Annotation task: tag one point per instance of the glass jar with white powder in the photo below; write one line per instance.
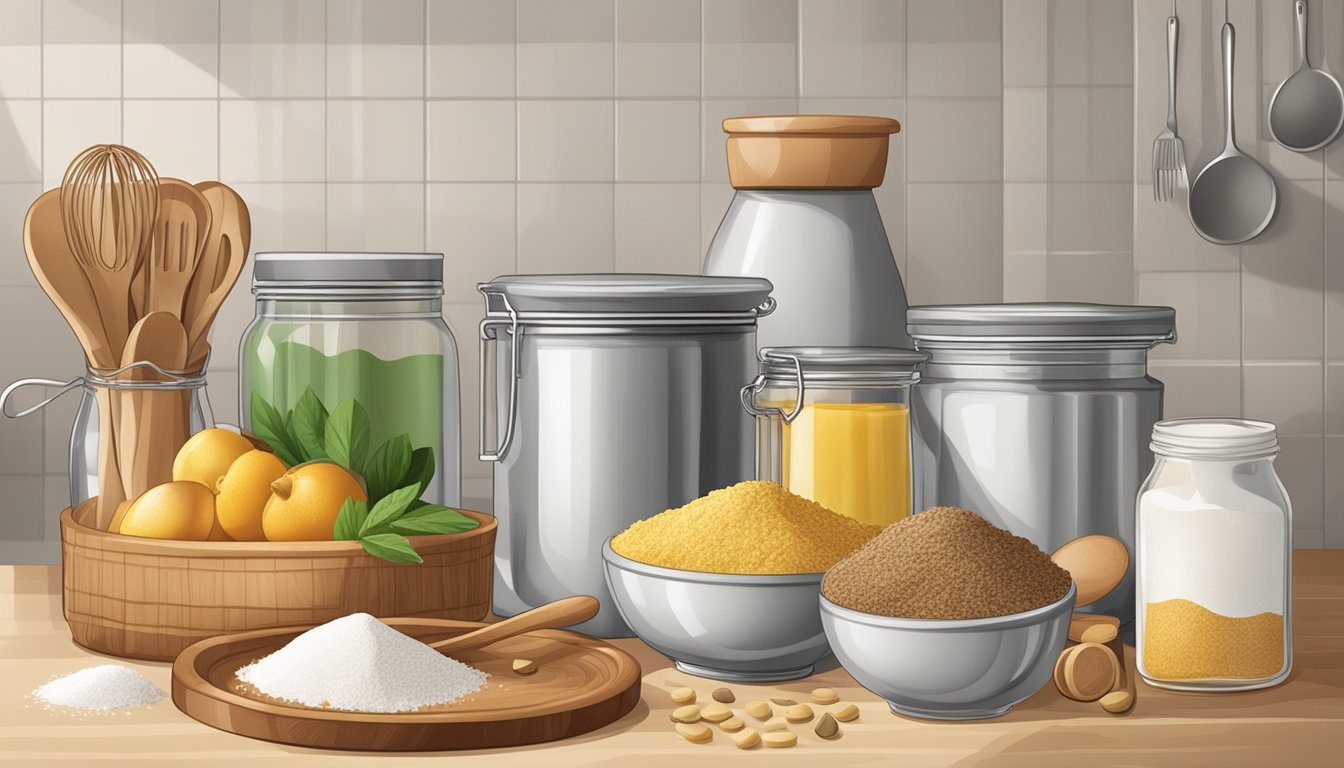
(1213, 559)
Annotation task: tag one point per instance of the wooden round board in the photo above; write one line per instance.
(580, 685)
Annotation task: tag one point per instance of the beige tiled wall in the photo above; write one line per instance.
(576, 135)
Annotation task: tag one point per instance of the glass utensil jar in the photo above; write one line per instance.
(366, 327)
(833, 425)
(1214, 559)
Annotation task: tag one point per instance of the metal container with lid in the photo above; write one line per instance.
(366, 327)
(607, 399)
(1037, 416)
(833, 425)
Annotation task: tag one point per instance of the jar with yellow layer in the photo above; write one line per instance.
(833, 425)
(1213, 560)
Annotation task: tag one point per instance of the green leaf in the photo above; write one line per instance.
(390, 546)
(309, 424)
(269, 425)
(350, 520)
(421, 470)
(389, 508)
(433, 519)
(347, 435)
(387, 468)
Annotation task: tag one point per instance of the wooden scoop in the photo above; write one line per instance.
(1096, 563)
(151, 427)
(561, 613)
(222, 260)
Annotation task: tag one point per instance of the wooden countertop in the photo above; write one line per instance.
(1299, 723)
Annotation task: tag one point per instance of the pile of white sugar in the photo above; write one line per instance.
(105, 687)
(359, 664)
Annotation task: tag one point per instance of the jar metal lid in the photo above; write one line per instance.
(1041, 322)
(869, 365)
(624, 294)
(1215, 439)
(297, 272)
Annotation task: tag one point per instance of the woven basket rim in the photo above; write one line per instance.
(115, 542)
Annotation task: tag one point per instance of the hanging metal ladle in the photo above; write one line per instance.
(1307, 109)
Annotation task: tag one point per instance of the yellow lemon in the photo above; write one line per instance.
(118, 516)
(305, 501)
(176, 510)
(206, 456)
(243, 492)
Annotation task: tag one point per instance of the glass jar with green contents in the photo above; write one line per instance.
(349, 359)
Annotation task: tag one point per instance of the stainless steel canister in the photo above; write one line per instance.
(605, 400)
(1037, 416)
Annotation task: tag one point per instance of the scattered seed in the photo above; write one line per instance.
(760, 710)
(695, 733)
(723, 696)
(746, 739)
(847, 713)
(798, 713)
(784, 702)
(687, 714)
(827, 727)
(824, 696)
(780, 739)
(524, 666)
(732, 725)
(775, 724)
(715, 713)
(1117, 702)
(683, 695)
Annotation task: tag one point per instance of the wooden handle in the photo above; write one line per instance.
(561, 613)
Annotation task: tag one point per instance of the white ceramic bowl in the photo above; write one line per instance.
(950, 670)
(722, 626)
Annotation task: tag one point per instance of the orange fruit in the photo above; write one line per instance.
(177, 510)
(242, 494)
(206, 455)
(305, 501)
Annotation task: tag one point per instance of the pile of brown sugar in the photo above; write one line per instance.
(945, 563)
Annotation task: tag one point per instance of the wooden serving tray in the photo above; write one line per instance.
(581, 684)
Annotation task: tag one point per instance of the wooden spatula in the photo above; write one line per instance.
(222, 261)
(152, 429)
(561, 613)
(180, 234)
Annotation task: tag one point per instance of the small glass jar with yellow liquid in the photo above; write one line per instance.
(833, 425)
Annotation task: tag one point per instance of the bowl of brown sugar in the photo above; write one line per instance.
(948, 617)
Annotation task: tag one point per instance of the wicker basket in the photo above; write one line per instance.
(150, 598)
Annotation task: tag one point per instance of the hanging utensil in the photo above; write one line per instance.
(222, 261)
(180, 234)
(1307, 109)
(1168, 149)
(1234, 198)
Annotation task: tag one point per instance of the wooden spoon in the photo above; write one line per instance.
(180, 234)
(1097, 564)
(561, 613)
(58, 273)
(152, 428)
(222, 261)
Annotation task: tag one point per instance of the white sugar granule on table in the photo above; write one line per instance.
(358, 663)
(105, 687)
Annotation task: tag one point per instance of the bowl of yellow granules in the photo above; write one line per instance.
(728, 585)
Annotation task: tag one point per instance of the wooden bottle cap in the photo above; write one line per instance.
(808, 151)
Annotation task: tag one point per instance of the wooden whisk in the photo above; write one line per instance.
(109, 203)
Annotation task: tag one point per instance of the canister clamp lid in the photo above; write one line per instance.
(1040, 323)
